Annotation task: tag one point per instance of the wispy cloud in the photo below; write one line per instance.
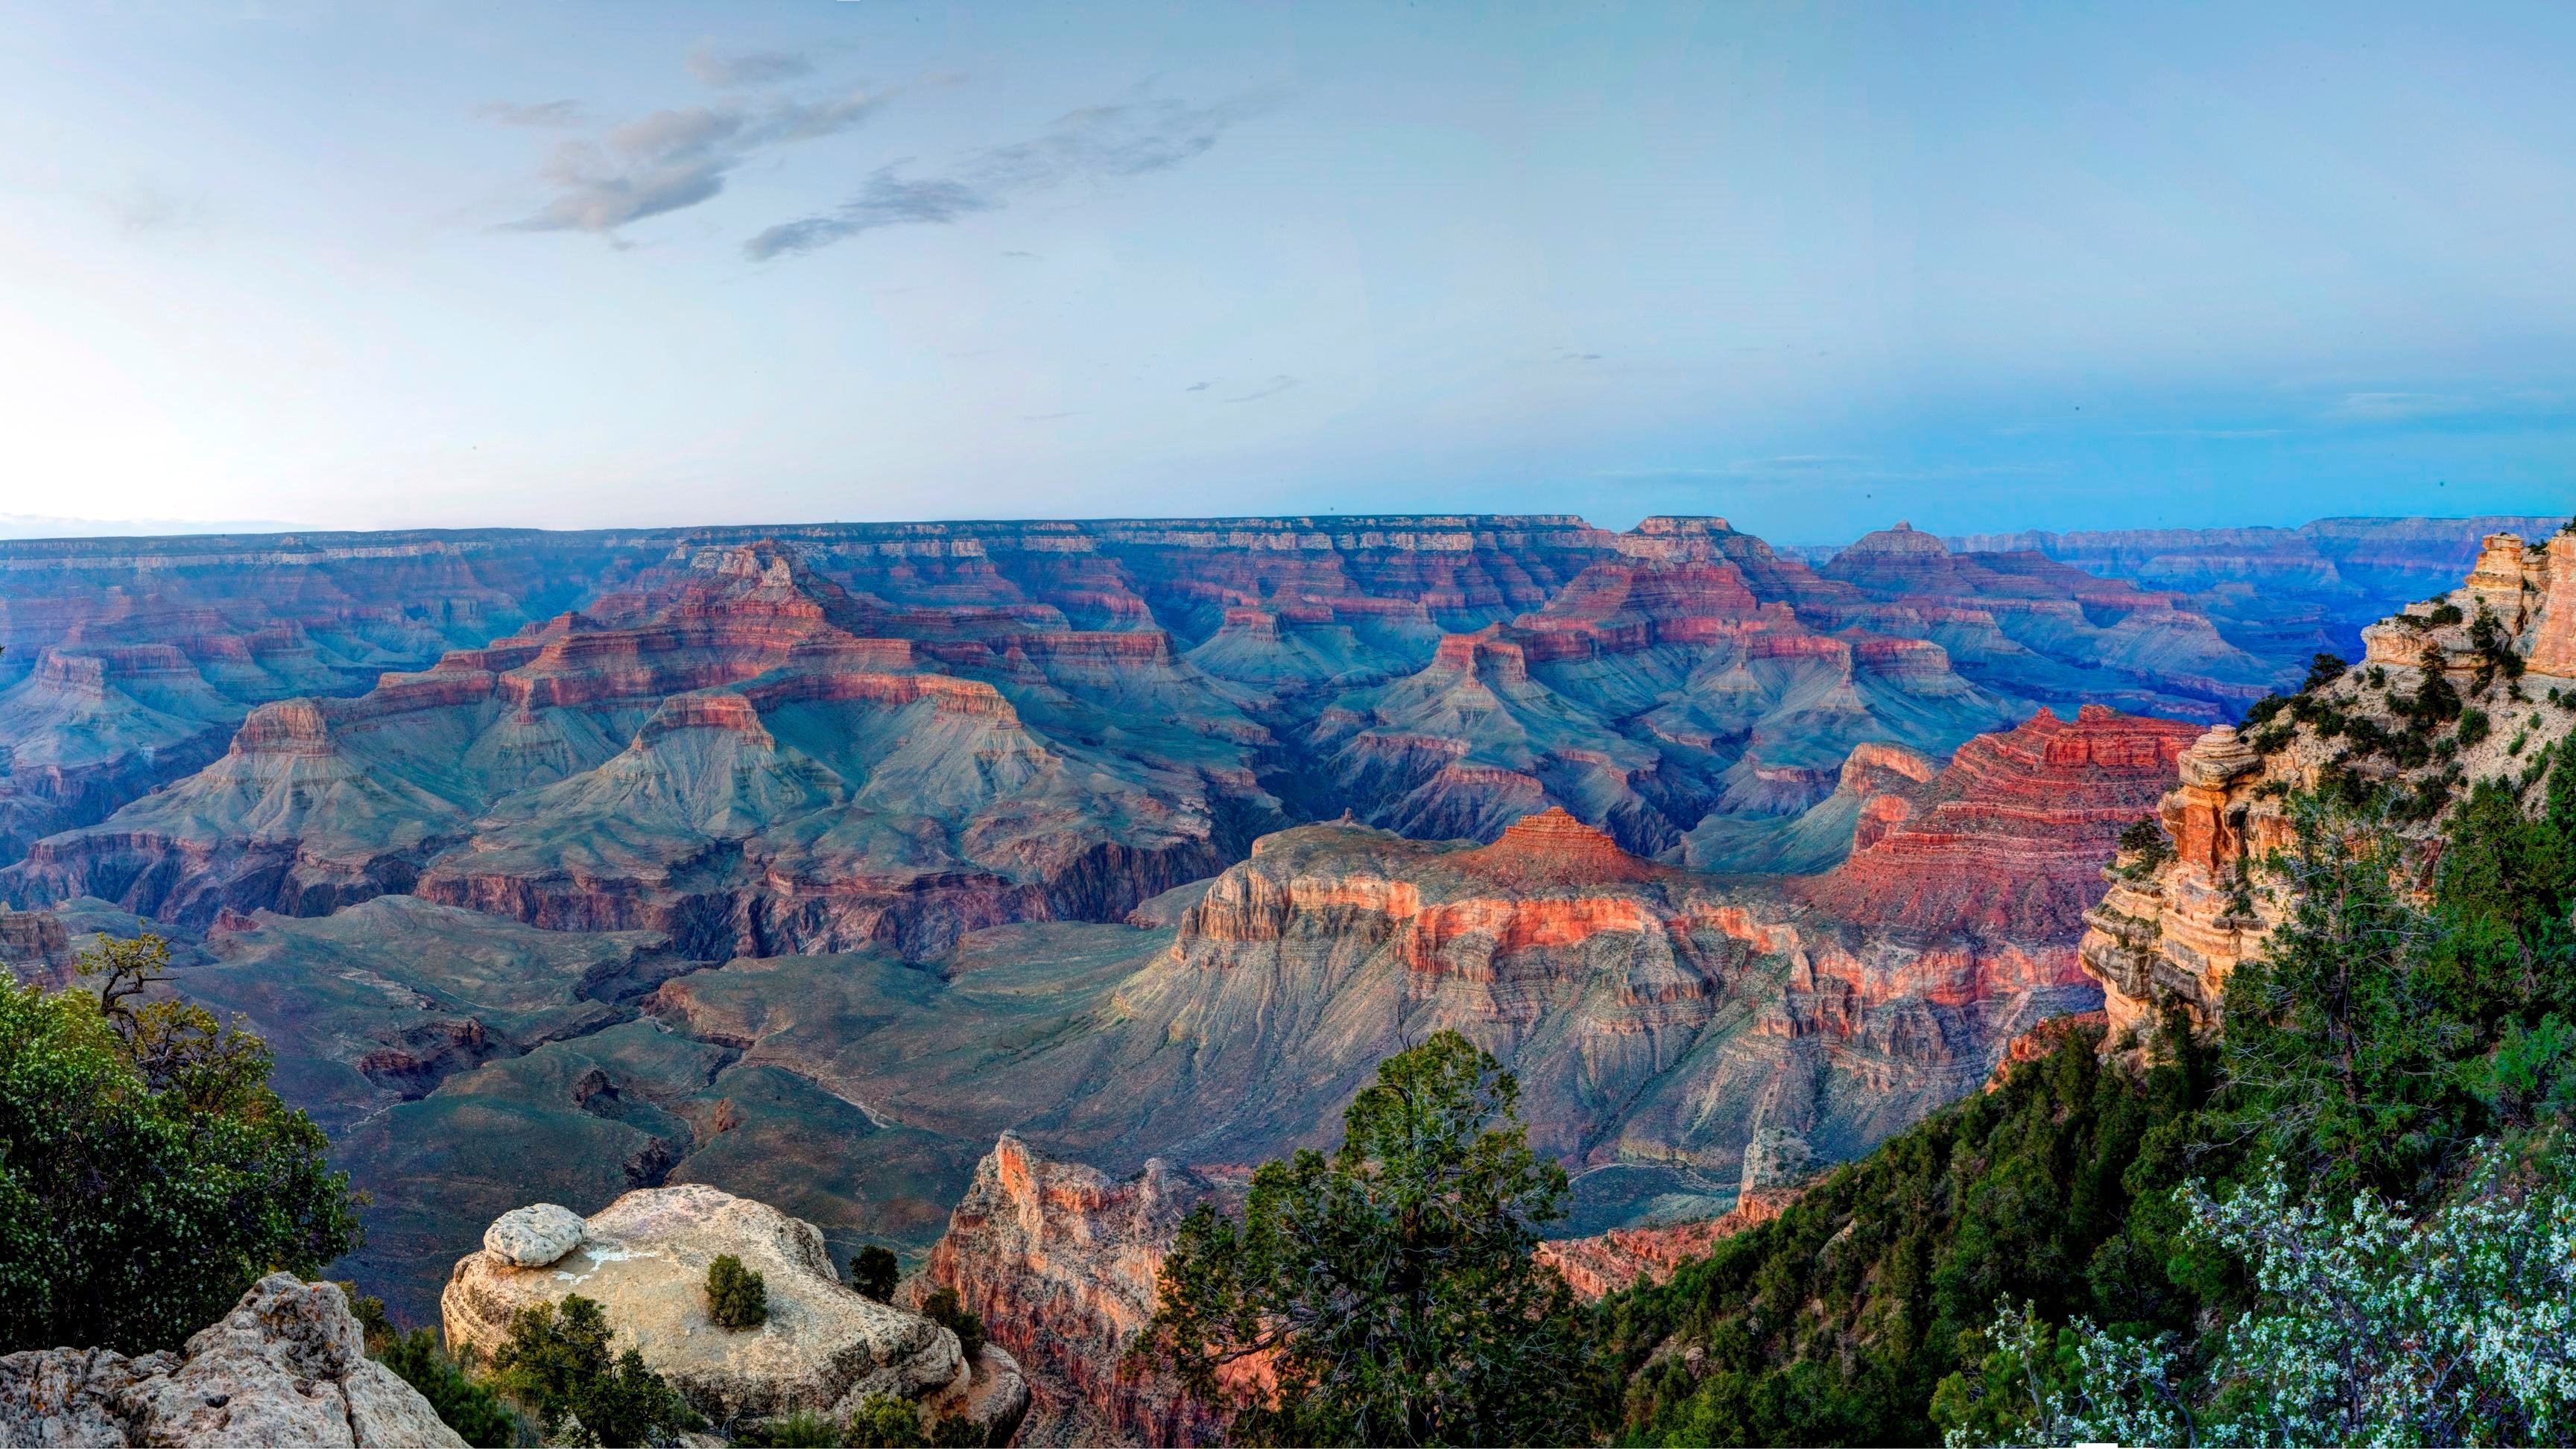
(2393, 407)
(677, 158)
(731, 70)
(143, 207)
(549, 115)
(1097, 144)
(1278, 384)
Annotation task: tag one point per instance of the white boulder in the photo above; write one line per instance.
(535, 1236)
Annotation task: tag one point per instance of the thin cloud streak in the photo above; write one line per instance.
(1096, 144)
(731, 71)
(547, 115)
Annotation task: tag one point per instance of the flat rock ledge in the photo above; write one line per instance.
(288, 1366)
(644, 1259)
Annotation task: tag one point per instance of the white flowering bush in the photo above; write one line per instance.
(2370, 1328)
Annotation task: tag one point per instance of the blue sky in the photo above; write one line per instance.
(1813, 267)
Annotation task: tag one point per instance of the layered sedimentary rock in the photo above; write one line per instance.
(1060, 1260)
(2010, 839)
(2173, 930)
(734, 753)
(823, 1348)
(1092, 711)
(288, 1365)
(34, 947)
(1662, 1022)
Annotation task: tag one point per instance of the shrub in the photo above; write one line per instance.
(470, 1408)
(943, 1309)
(737, 1298)
(885, 1422)
(2372, 1328)
(148, 1174)
(2474, 726)
(2144, 847)
(873, 1272)
(804, 1429)
(558, 1361)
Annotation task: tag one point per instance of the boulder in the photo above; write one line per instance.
(288, 1365)
(533, 1237)
(644, 1260)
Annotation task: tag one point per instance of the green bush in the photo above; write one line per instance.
(737, 1298)
(885, 1422)
(148, 1174)
(559, 1363)
(943, 1309)
(804, 1429)
(873, 1272)
(465, 1405)
(2145, 847)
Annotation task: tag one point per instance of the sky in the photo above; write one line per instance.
(574, 263)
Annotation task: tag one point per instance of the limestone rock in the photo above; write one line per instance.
(644, 1259)
(534, 1236)
(287, 1366)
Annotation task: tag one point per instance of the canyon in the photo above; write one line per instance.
(999, 891)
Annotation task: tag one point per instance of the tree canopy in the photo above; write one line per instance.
(148, 1175)
(1387, 1294)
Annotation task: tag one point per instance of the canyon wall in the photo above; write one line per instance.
(2172, 929)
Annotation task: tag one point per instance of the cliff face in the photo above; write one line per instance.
(1061, 1261)
(2011, 838)
(2176, 929)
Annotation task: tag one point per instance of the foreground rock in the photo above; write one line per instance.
(287, 1366)
(644, 1259)
(1060, 1260)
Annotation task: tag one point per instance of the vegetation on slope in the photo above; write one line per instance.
(2387, 1032)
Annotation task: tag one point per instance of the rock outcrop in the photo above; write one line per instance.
(2173, 930)
(1061, 1262)
(34, 946)
(644, 1259)
(287, 1365)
